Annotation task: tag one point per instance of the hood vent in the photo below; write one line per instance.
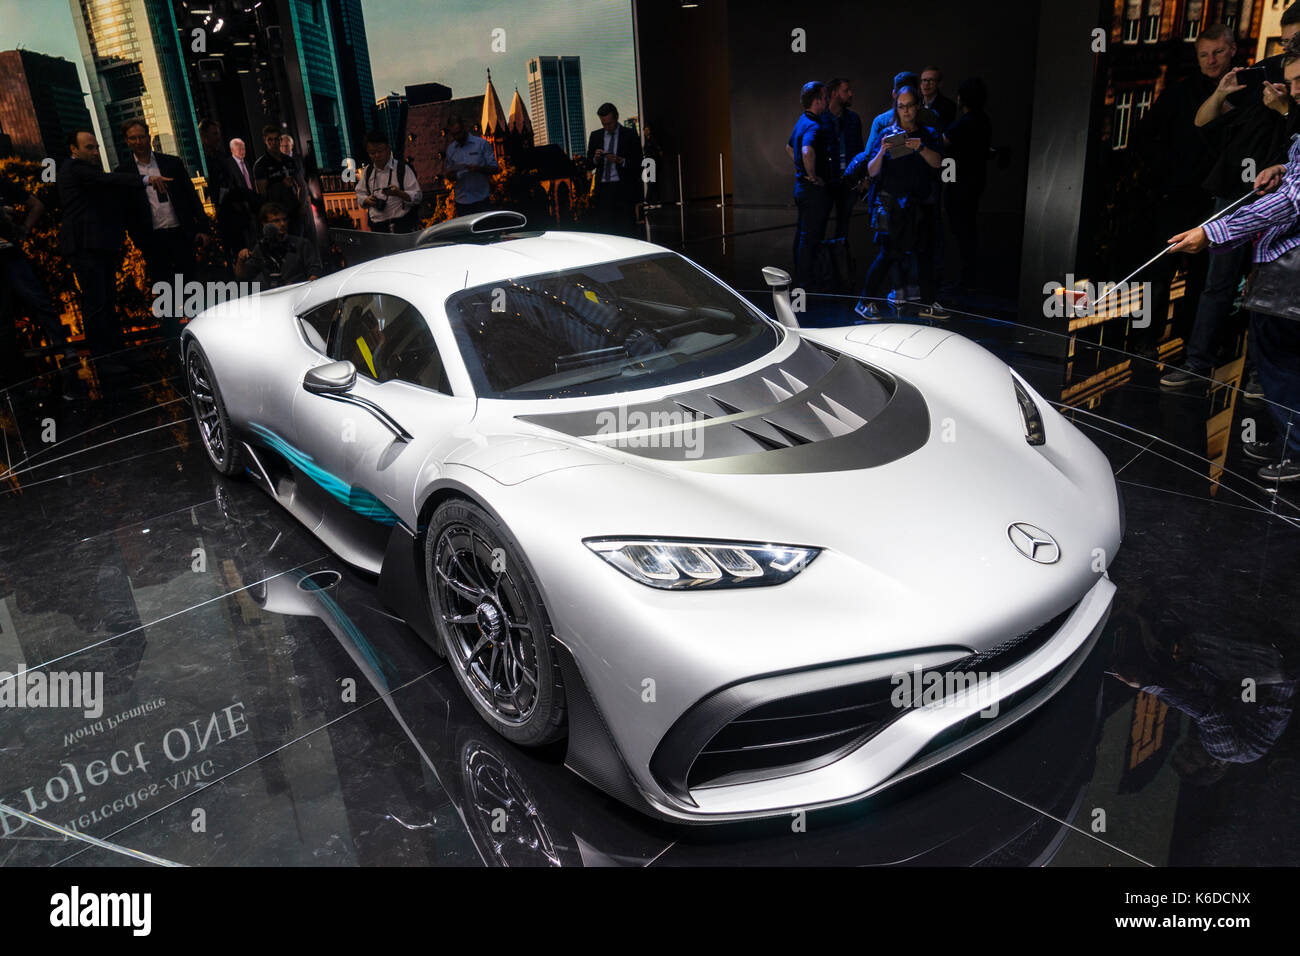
(814, 411)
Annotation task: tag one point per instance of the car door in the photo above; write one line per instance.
(367, 444)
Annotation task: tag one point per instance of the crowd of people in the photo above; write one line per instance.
(265, 226)
(924, 156)
(262, 231)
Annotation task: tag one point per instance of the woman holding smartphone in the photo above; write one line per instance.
(903, 170)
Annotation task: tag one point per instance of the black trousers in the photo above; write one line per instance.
(910, 243)
(963, 207)
(168, 253)
(1275, 345)
(235, 223)
(615, 212)
(814, 204)
(96, 272)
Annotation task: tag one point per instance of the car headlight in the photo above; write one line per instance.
(682, 565)
(1030, 417)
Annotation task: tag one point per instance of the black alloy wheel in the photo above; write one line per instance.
(210, 413)
(494, 628)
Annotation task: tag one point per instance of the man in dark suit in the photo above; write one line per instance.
(95, 206)
(237, 215)
(615, 154)
(934, 100)
(224, 190)
(164, 222)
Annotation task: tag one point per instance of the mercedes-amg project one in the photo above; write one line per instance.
(745, 568)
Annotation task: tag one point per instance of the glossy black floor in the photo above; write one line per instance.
(263, 708)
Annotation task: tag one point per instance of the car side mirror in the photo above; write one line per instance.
(331, 379)
(778, 280)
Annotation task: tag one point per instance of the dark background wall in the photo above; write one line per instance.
(869, 42)
(686, 89)
(722, 78)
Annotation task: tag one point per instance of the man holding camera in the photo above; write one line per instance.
(278, 178)
(280, 259)
(387, 190)
(1244, 121)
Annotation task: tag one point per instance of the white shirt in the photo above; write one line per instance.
(373, 181)
(163, 213)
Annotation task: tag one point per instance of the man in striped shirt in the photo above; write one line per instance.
(1272, 222)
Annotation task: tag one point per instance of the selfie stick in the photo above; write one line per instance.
(1123, 282)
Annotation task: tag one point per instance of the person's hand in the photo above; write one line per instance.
(159, 183)
(1194, 240)
(244, 255)
(1277, 98)
(1270, 179)
(913, 143)
(1228, 82)
(598, 155)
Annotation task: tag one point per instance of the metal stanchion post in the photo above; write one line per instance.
(681, 198)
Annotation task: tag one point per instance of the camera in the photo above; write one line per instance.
(272, 251)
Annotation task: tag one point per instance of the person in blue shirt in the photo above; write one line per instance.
(904, 180)
(810, 148)
(470, 164)
(924, 117)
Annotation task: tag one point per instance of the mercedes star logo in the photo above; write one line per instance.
(1034, 543)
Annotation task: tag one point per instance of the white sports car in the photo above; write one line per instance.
(746, 568)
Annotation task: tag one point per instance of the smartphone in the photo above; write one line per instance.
(1252, 77)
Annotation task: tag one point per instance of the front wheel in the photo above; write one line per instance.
(210, 413)
(493, 625)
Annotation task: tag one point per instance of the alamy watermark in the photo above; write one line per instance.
(653, 429)
(180, 298)
(1131, 299)
(37, 689)
(952, 688)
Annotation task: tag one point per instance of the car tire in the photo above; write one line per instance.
(210, 414)
(494, 629)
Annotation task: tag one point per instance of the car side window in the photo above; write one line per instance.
(320, 324)
(387, 338)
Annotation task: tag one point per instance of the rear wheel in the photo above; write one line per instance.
(210, 413)
(493, 625)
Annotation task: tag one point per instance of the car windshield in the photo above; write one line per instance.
(599, 329)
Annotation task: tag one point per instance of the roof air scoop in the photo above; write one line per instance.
(478, 227)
